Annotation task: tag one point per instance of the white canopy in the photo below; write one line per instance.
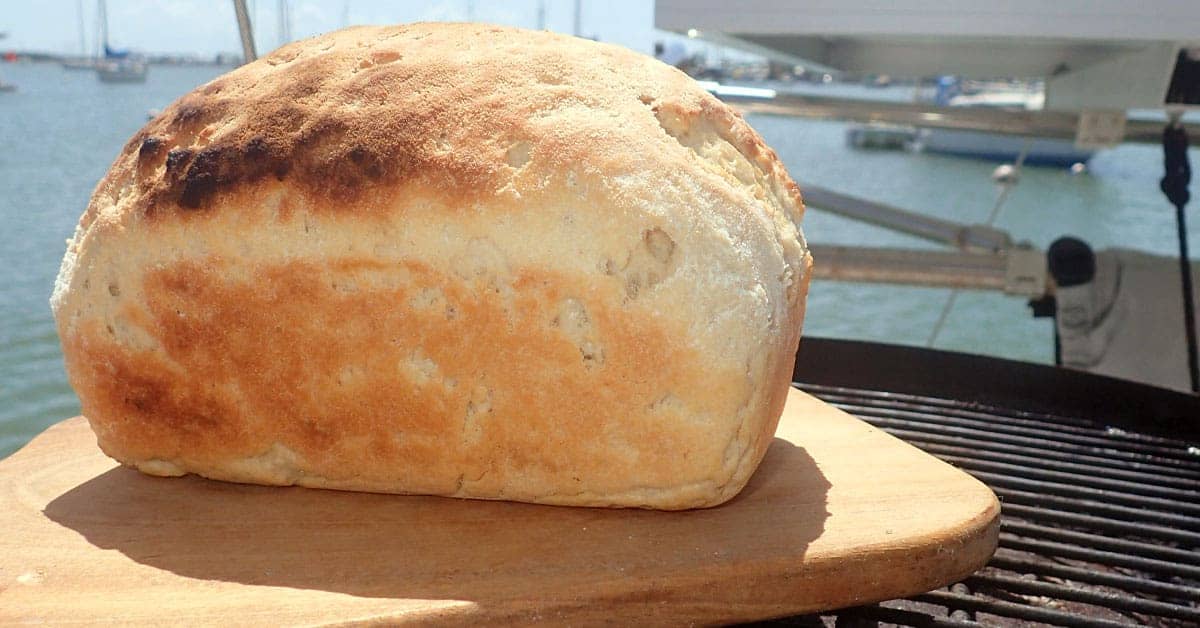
(1111, 54)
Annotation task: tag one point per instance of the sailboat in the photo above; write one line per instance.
(117, 66)
(84, 61)
(81, 63)
(6, 87)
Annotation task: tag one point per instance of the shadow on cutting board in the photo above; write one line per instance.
(437, 548)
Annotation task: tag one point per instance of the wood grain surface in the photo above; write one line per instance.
(838, 514)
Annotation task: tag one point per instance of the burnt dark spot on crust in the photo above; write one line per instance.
(327, 152)
(135, 142)
(194, 178)
(260, 159)
(187, 114)
(177, 160)
(149, 154)
(334, 138)
(257, 148)
(369, 162)
(324, 134)
(203, 178)
(151, 146)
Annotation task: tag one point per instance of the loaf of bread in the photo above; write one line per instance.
(444, 259)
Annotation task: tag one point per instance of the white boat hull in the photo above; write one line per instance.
(121, 72)
(995, 147)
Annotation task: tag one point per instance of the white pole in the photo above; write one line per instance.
(82, 30)
(245, 31)
(285, 26)
(103, 28)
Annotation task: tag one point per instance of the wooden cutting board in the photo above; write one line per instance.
(838, 514)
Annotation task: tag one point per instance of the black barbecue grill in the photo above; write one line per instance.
(1099, 481)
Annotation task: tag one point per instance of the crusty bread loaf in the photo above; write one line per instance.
(445, 259)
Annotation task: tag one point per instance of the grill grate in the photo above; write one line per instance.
(1100, 526)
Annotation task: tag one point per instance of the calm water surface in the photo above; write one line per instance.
(60, 132)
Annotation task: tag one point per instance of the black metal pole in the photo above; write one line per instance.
(1175, 185)
(1189, 307)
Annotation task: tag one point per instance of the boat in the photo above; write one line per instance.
(992, 147)
(84, 63)
(1032, 150)
(6, 87)
(881, 136)
(117, 66)
(119, 70)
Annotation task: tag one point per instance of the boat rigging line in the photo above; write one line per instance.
(1007, 183)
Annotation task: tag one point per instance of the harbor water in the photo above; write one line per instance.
(62, 129)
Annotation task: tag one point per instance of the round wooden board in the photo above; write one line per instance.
(839, 514)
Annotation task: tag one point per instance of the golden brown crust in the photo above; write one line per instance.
(446, 259)
(367, 108)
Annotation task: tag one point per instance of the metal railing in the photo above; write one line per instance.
(1040, 123)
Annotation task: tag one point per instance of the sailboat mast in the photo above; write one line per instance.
(104, 27)
(82, 30)
(285, 22)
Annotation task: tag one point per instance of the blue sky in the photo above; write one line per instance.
(208, 26)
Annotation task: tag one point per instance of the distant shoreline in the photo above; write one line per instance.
(219, 59)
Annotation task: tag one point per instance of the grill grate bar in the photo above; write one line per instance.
(904, 617)
(951, 405)
(1032, 443)
(994, 416)
(1018, 611)
(1084, 539)
(1038, 439)
(1144, 530)
(1036, 460)
(1182, 476)
(1065, 490)
(1065, 550)
(1096, 507)
(1004, 560)
(992, 419)
(1087, 596)
(1189, 499)
(1093, 433)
